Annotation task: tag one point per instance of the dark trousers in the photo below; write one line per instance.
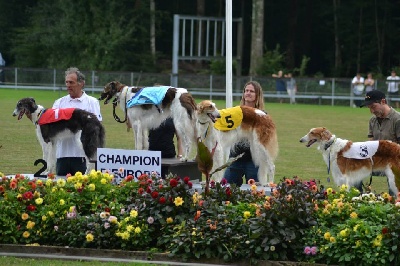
(70, 165)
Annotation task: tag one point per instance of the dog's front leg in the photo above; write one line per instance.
(138, 138)
(145, 139)
(52, 157)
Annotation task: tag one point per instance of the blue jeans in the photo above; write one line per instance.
(235, 172)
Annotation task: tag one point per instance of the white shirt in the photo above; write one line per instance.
(69, 147)
(356, 80)
(393, 86)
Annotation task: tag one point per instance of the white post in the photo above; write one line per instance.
(228, 74)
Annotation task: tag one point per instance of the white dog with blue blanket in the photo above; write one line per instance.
(148, 107)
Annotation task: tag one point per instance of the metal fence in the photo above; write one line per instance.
(326, 91)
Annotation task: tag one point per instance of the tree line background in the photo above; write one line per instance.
(310, 38)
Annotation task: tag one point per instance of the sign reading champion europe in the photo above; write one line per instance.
(128, 162)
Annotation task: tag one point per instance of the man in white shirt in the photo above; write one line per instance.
(70, 156)
(393, 86)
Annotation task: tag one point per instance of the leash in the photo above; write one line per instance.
(327, 146)
(207, 130)
(115, 103)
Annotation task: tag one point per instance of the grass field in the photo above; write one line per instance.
(20, 148)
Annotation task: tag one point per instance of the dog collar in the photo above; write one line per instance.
(327, 145)
(201, 123)
(39, 115)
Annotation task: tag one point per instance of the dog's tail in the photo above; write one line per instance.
(93, 135)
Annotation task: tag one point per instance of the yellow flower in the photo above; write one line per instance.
(92, 187)
(134, 213)
(129, 228)
(39, 182)
(62, 202)
(169, 220)
(332, 239)
(353, 215)
(358, 243)
(178, 201)
(50, 213)
(138, 230)
(78, 185)
(329, 191)
(327, 235)
(30, 225)
(36, 194)
(26, 234)
(24, 216)
(103, 181)
(22, 189)
(343, 188)
(39, 201)
(123, 235)
(61, 182)
(246, 214)
(44, 218)
(49, 183)
(253, 187)
(89, 237)
(344, 233)
(272, 248)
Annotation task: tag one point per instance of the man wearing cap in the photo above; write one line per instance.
(385, 122)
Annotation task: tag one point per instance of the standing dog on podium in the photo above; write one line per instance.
(236, 123)
(351, 162)
(55, 124)
(146, 108)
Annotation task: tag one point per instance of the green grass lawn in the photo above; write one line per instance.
(20, 148)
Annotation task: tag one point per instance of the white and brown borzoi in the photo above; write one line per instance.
(242, 122)
(177, 104)
(351, 162)
(56, 124)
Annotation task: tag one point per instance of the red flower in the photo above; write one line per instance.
(27, 195)
(129, 178)
(32, 184)
(186, 179)
(2, 189)
(140, 190)
(190, 184)
(31, 208)
(162, 200)
(13, 184)
(385, 230)
(148, 190)
(149, 181)
(228, 192)
(154, 194)
(173, 183)
(107, 209)
(143, 177)
(197, 215)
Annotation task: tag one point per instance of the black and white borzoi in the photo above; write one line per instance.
(177, 104)
(242, 122)
(56, 124)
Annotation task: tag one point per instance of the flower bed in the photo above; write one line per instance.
(299, 221)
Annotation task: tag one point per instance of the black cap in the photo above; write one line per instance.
(373, 97)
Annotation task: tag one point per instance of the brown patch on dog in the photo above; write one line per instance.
(267, 133)
(187, 101)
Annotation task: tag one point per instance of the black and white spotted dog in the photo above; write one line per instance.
(56, 124)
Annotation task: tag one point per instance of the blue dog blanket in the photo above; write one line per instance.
(148, 95)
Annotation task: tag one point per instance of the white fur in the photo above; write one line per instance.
(143, 120)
